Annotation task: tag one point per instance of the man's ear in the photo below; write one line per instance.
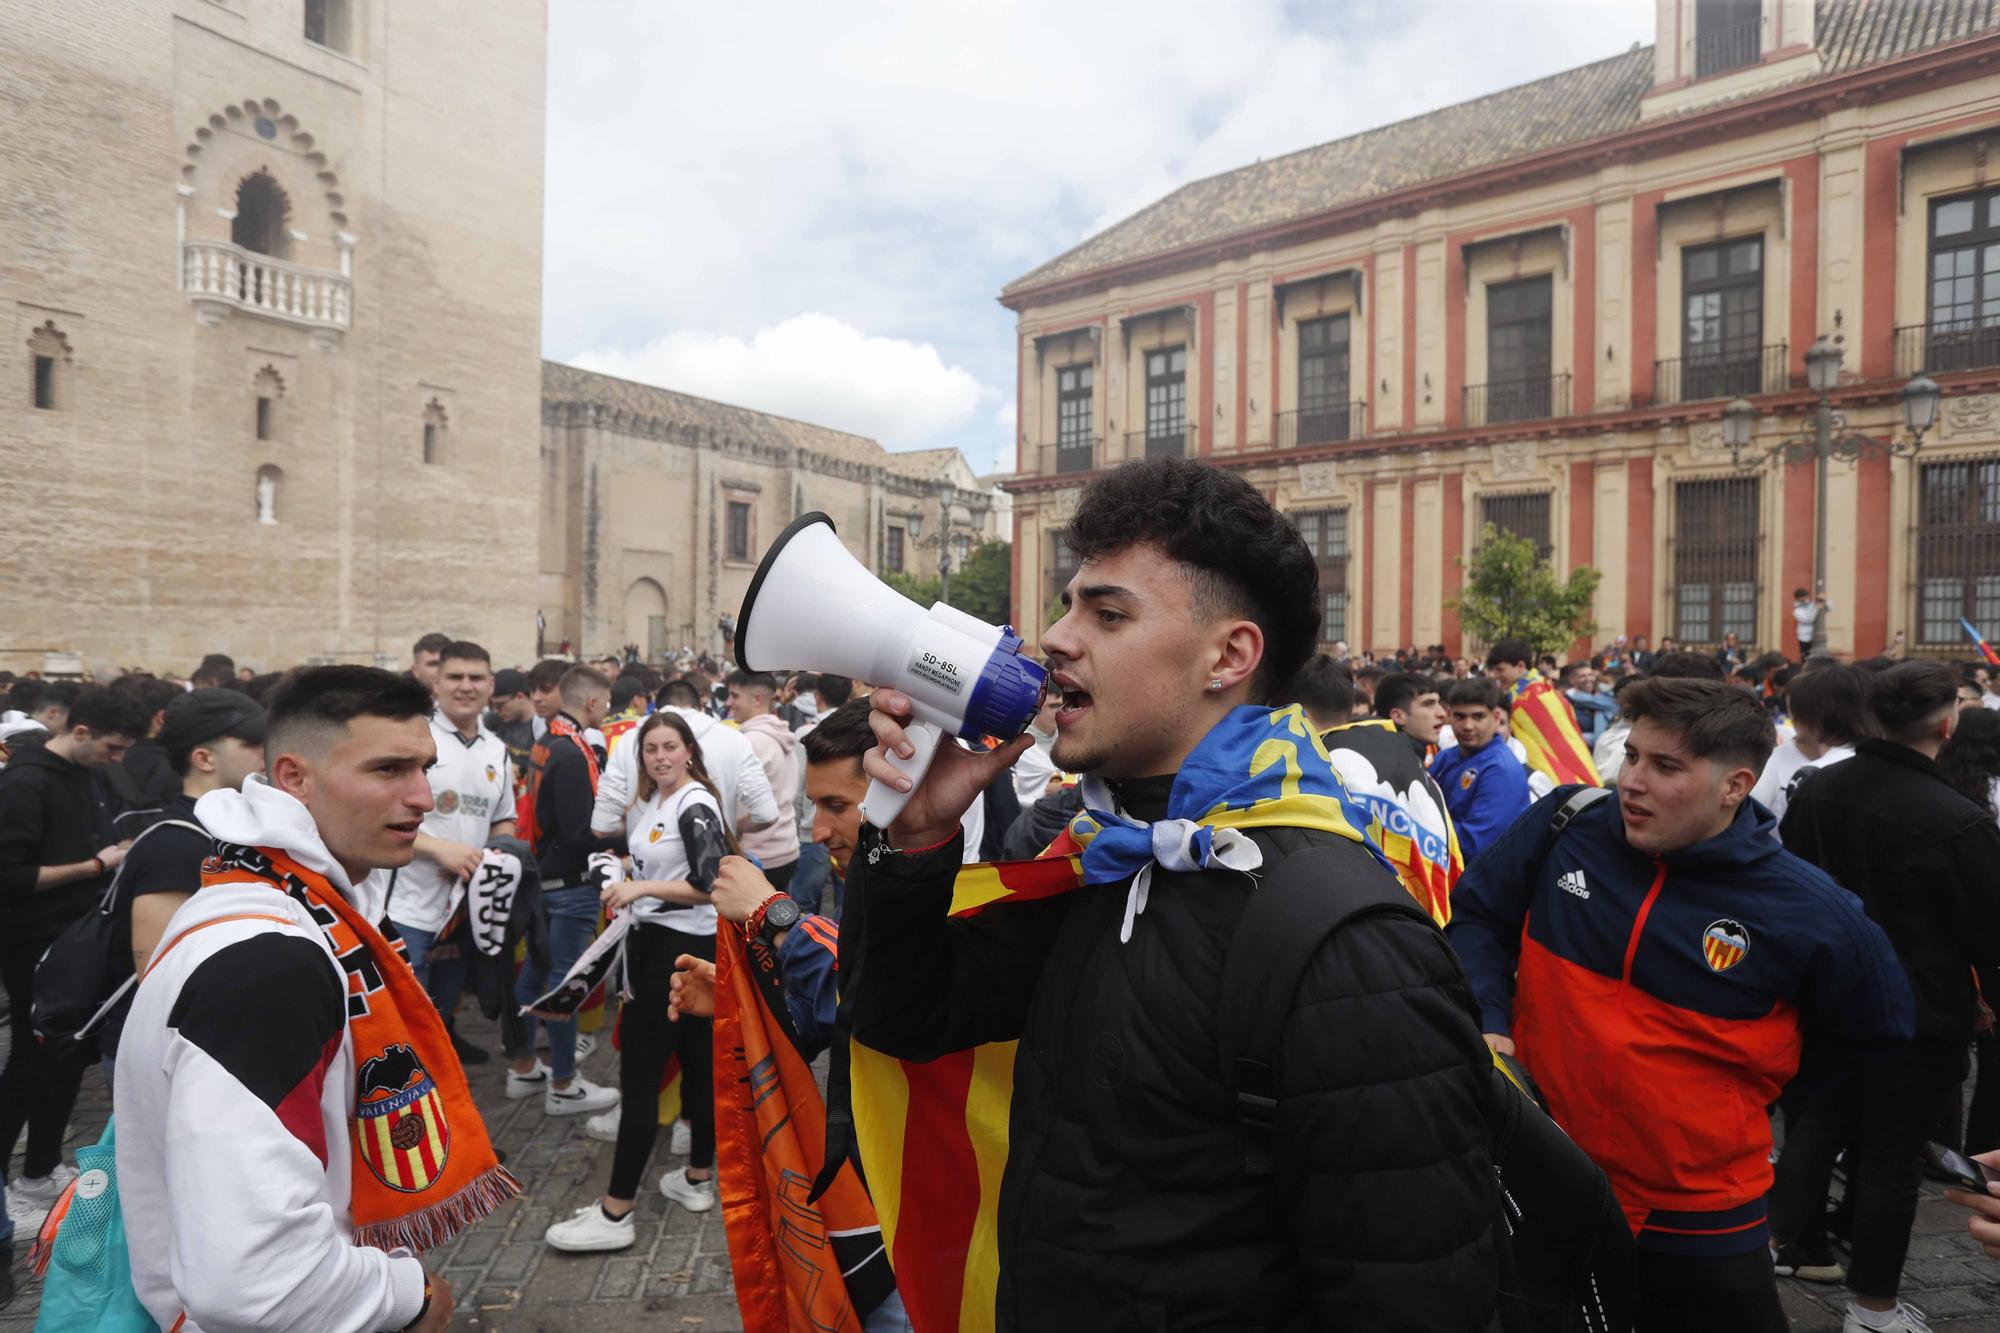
(1238, 651)
(1736, 785)
(292, 776)
(202, 759)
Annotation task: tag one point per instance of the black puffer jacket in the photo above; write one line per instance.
(1125, 1204)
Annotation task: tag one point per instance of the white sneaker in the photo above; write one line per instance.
(697, 1196)
(26, 1215)
(603, 1128)
(588, 1229)
(586, 1045)
(523, 1086)
(581, 1097)
(1904, 1318)
(682, 1141)
(46, 1190)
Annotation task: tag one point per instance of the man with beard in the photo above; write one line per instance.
(1126, 1198)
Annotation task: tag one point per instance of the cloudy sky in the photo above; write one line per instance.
(809, 208)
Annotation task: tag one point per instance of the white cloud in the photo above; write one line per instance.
(722, 167)
(814, 368)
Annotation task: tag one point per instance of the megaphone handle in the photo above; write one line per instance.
(883, 803)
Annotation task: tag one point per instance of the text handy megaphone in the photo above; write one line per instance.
(813, 605)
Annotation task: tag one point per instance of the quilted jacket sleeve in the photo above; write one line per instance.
(1383, 1088)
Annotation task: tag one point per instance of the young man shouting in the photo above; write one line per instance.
(1657, 966)
(275, 1173)
(1125, 1200)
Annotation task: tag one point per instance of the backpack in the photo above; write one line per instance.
(1570, 1250)
(77, 979)
(81, 1255)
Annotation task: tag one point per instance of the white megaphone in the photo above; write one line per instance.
(813, 605)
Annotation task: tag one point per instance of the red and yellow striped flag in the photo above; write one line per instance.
(933, 1136)
(1544, 723)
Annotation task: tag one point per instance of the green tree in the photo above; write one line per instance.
(984, 588)
(1510, 592)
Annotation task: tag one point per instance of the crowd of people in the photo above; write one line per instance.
(1777, 915)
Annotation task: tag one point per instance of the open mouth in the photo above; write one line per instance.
(1074, 703)
(408, 829)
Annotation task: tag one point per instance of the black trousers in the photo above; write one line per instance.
(1982, 1123)
(35, 1091)
(1735, 1293)
(1882, 1119)
(647, 1038)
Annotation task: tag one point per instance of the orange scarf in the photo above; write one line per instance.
(423, 1168)
(560, 727)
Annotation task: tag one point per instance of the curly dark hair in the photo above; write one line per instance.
(1243, 557)
(1971, 758)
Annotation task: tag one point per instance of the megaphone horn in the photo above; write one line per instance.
(813, 605)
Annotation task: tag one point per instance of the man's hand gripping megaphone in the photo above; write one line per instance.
(957, 777)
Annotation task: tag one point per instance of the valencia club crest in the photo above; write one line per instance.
(399, 1124)
(1724, 944)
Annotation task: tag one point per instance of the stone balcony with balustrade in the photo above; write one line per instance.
(221, 278)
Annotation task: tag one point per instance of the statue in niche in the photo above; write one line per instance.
(267, 498)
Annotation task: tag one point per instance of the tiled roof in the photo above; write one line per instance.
(571, 384)
(1563, 109)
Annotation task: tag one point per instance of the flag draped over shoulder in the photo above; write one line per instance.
(1407, 818)
(933, 1135)
(1546, 727)
(799, 1266)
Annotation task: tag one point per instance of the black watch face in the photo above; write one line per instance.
(782, 914)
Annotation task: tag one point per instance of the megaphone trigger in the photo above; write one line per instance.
(883, 803)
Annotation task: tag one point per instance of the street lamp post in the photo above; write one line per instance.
(1828, 440)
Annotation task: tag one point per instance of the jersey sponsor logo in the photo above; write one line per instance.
(399, 1120)
(1573, 882)
(447, 803)
(1724, 944)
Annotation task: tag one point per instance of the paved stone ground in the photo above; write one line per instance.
(505, 1279)
(677, 1276)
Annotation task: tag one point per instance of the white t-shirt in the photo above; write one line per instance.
(732, 765)
(1803, 615)
(1032, 772)
(472, 788)
(1781, 774)
(659, 853)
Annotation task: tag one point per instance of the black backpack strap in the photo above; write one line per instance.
(1294, 905)
(1579, 801)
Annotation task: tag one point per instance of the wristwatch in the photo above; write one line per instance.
(779, 915)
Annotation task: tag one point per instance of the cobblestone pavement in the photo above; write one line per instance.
(677, 1277)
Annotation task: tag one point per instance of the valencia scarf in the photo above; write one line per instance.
(561, 728)
(933, 1136)
(423, 1168)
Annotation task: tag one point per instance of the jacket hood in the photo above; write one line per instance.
(1751, 837)
(262, 816)
(770, 724)
(38, 755)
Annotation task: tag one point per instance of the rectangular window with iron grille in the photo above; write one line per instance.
(1062, 567)
(1523, 515)
(1716, 559)
(1722, 334)
(739, 528)
(1074, 387)
(892, 550)
(1325, 533)
(1324, 361)
(1958, 548)
(1166, 402)
(1964, 296)
(1518, 349)
(1728, 34)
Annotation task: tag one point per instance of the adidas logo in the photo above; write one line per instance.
(1573, 883)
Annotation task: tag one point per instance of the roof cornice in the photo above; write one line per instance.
(1951, 62)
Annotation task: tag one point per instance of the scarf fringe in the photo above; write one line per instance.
(430, 1227)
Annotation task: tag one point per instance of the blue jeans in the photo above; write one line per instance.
(443, 978)
(572, 916)
(810, 875)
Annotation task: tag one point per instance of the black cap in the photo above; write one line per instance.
(200, 716)
(509, 682)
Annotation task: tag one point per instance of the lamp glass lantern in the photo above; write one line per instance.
(1823, 365)
(915, 523)
(1920, 404)
(1739, 419)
